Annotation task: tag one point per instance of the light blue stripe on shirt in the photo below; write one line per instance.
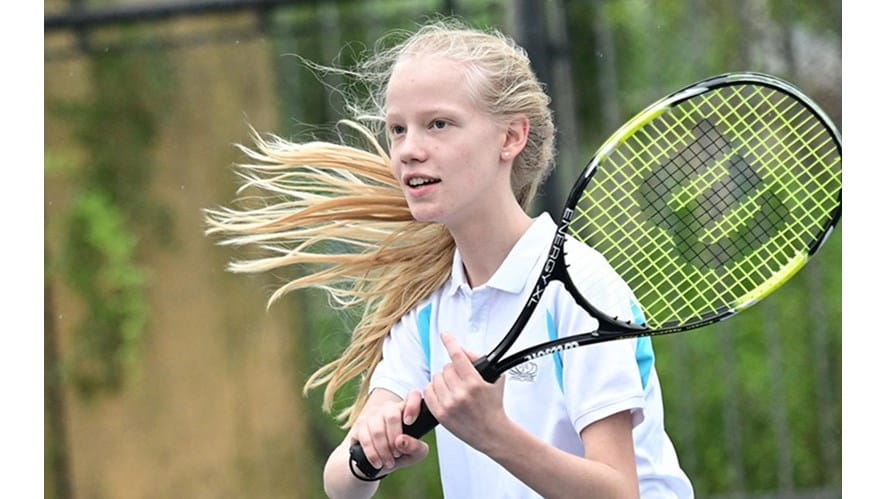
(424, 324)
(558, 360)
(644, 352)
(644, 355)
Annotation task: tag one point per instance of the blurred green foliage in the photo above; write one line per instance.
(111, 212)
(101, 265)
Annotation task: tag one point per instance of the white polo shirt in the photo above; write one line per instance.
(554, 397)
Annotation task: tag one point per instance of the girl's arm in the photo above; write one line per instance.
(608, 469)
(472, 410)
(379, 430)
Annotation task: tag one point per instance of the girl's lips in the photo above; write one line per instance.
(422, 189)
(419, 185)
(415, 179)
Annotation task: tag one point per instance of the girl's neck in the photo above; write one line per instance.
(484, 244)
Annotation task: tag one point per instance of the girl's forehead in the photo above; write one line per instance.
(436, 76)
(419, 63)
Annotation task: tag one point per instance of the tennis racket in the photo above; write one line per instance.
(704, 203)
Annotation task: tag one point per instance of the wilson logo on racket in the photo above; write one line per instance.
(551, 350)
(712, 200)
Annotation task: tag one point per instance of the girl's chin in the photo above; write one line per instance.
(429, 216)
(448, 215)
(424, 212)
(423, 216)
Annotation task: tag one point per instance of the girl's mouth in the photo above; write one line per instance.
(417, 182)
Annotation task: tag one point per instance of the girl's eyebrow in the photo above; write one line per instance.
(424, 113)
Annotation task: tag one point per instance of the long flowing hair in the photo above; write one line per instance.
(336, 212)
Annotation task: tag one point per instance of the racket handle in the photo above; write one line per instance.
(423, 424)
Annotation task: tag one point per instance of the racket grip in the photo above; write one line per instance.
(423, 424)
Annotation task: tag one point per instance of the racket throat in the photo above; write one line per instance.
(486, 369)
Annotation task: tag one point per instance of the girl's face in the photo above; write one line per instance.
(446, 150)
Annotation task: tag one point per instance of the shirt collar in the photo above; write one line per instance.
(511, 276)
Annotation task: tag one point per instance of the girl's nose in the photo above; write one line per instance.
(412, 148)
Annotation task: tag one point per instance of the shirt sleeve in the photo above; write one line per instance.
(404, 366)
(604, 379)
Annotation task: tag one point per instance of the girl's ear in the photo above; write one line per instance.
(516, 133)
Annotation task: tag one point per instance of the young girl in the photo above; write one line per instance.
(437, 247)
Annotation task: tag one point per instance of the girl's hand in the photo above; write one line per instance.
(463, 402)
(379, 429)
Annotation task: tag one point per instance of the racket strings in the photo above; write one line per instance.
(703, 204)
(791, 149)
(808, 139)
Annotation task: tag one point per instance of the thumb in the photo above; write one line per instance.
(411, 450)
(410, 446)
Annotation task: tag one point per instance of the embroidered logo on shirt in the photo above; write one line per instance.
(524, 372)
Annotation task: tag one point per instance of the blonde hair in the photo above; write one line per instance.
(340, 208)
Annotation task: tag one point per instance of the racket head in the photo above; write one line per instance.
(707, 201)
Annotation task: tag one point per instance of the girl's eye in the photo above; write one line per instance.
(439, 124)
(397, 129)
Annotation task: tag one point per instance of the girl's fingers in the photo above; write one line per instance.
(461, 359)
(369, 448)
(412, 447)
(411, 407)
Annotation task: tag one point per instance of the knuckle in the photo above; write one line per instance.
(473, 389)
(377, 433)
(362, 433)
(443, 415)
(459, 398)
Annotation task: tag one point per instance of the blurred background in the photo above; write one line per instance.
(165, 376)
